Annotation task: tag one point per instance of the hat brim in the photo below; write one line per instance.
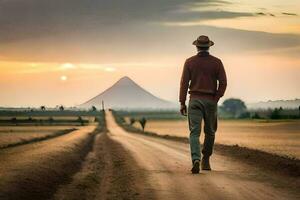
(209, 44)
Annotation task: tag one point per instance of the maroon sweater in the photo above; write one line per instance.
(201, 74)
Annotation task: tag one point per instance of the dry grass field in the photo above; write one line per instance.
(16, 134)
(281, 137)
(43, 165)
(88, 118)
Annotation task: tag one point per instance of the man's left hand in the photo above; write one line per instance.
(217, 98)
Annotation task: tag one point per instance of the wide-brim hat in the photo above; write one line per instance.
(203, 41)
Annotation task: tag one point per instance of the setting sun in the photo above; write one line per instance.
(63, 78)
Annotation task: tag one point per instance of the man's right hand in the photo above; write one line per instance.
(183, 110)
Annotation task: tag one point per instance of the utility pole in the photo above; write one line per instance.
(102, 105)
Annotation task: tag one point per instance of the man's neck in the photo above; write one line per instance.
(203, 53)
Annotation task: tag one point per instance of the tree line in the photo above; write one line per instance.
(234, 108)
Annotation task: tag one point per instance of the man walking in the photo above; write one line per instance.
(205, 77)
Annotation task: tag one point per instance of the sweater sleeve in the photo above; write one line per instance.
(222, 79)
(184, 83)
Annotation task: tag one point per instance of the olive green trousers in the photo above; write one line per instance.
(202, 110)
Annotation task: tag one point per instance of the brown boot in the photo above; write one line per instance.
(205, 163)
(196, 167)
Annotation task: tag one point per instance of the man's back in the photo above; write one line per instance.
(201, 74)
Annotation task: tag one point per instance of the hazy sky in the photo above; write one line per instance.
(67, 51)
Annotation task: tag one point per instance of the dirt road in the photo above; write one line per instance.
(167, 164)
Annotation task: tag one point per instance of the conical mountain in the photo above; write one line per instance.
(126, 94)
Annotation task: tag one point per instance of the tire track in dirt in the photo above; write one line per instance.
(109, 172)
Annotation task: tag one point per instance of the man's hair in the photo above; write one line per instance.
(202, 48)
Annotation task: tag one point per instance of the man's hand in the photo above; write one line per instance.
(183, 110)
(217, 98)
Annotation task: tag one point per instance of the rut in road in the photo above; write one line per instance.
(167, 165)
(109, 172)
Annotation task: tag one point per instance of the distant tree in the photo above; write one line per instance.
(299, 111)
(256, 116)
(80, 119)
(94, 108)
(234, 106)
(43, 108)
(244, 115)
(102, 103)
(121, 119)
(97, 119)
(51, 120)
(14, 121)
(275, 114)
(143, 122)
(61, 108)
(132, 120)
